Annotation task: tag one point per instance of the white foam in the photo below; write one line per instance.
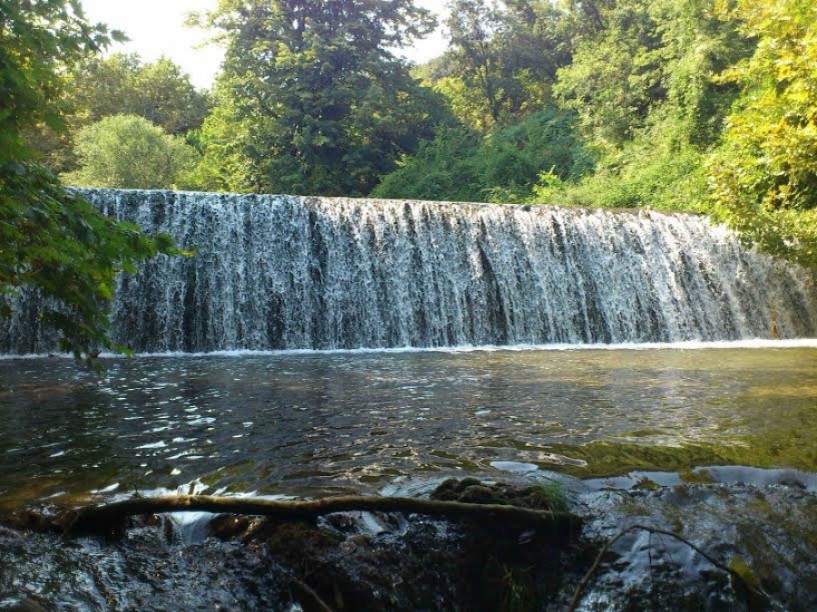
(692, 345)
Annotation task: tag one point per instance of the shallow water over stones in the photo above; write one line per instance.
(393, 562)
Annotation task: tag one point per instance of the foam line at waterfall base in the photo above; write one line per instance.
(692, 345)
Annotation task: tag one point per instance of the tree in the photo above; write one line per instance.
(128, 151)
(121, 84)
(473, 26)
(513, 158)
(53, 240)
(324, 106)
(224, 142)
(444, 168)
(652, 63)
(615, 75)
(642, 84)
(588, 16)
(764, 175)
(502, 59)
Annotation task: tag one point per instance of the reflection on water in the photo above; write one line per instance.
(293, 422)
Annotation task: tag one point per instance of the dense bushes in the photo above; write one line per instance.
(129, 152)
(459, 164)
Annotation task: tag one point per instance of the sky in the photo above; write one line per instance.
(156, 28)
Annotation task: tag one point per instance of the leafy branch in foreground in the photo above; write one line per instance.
(52, 239)
(57, 242)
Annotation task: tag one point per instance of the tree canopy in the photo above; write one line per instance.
(686, 105)
(124, 85)
(763, 177)
(312, 99)
(502, 61)
(54, 241)
(119, 84)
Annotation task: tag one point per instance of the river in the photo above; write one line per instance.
(356, 421)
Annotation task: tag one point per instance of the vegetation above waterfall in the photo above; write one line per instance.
(128, 151)
(764, 173)
(312, 99)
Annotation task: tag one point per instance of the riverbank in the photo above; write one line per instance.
(761, 526)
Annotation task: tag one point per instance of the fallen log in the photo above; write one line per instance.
(86, 519)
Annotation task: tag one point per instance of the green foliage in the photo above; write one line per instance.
(468, 105)
(52, 239)
(312, 99)
(503, 166)
(120, 84)
(128, 151)
(696, 45)
(502, 60)
(56, 242)
(642, 82)
(639, 75)
(37, 39)
(764, 175)
(513, 158)
(475, 27)
(445, 168)
(641, 175)
(224, 142)
(615, 75)
(551, 494)
(652, 63)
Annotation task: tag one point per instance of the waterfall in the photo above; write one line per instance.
(282, 272)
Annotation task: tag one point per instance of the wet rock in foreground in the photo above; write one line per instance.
(353, 561)
(766, 533)
(384, 562)
(349, 560)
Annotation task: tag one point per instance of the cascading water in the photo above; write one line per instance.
(280, 272)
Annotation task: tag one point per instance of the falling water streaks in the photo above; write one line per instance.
(294, 273)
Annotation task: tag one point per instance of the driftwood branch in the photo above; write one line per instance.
(89, 517)
(308, 597)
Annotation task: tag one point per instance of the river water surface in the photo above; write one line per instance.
(300, 423)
